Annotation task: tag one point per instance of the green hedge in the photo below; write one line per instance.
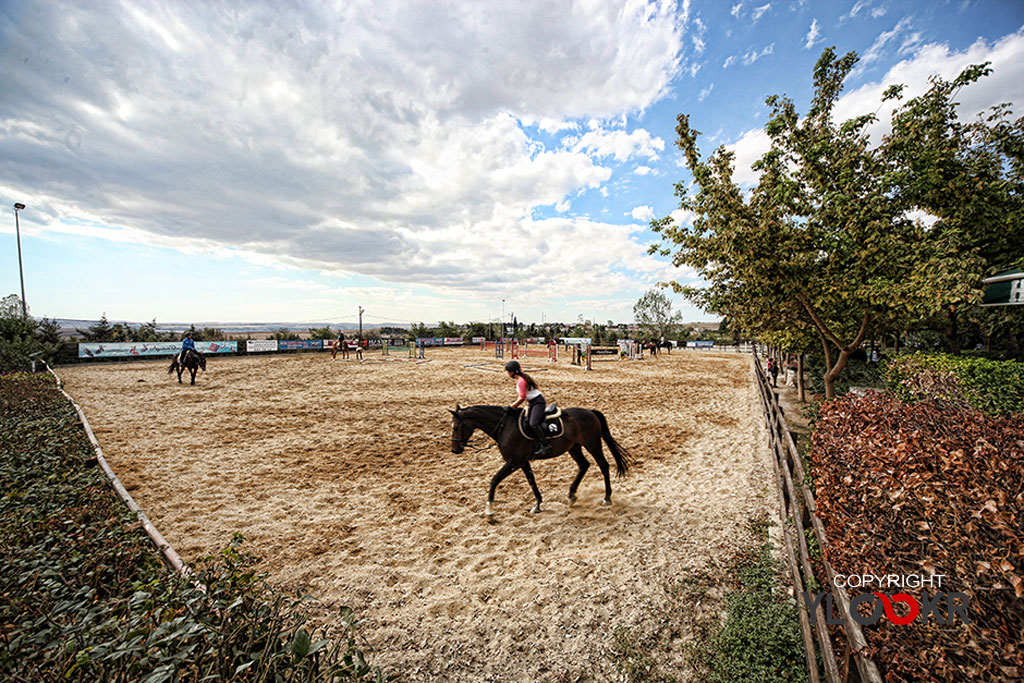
(85, 597)
(994, 387)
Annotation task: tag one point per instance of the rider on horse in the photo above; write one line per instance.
(528, 391)
(187, 344)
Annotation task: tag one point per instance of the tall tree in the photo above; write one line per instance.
(820, 241)
(653, 313)
(969, 177)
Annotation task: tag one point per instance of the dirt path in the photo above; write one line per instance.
(340, 476)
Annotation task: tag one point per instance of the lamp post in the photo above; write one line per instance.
(18, 206)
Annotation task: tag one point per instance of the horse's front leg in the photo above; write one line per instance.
(180, 370)
(507, 469)
(193, 371)
(528, 471)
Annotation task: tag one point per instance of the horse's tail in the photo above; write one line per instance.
(173, 366)
(623, 459)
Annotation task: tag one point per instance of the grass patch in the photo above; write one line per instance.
(758, 639)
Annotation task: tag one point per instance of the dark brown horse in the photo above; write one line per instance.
(582, 429)
(192, 362)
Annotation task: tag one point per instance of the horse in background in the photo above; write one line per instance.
(192, 361)
(339, 346)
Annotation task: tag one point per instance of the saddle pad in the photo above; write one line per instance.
(554, 427)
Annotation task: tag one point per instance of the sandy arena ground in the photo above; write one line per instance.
(341, 477)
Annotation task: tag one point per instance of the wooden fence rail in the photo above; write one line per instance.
(799, 516)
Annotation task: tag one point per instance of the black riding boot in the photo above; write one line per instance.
(543, 447)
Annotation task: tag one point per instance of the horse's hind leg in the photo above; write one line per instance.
(193, 371)
(180, 370)
(596, 451)
(577, 454)
(528, 471)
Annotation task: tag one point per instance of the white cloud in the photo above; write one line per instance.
(618, 144)
(879, 12)
(705, 92)
(343, 137)
(1005, 84)
(758, 12)
(736, 9)
(877, 49)
(728, 61)
(563, 206)
(643, 170)
(752, 56)
(812, 35)
(642, 213)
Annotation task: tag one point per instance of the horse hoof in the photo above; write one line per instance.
(572, 500)
(536, 509)
(606, 501)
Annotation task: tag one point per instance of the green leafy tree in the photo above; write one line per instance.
(19, 338)
(969, 176)
(820, 242)
(322, 333)
(102, 331)
(654, 315)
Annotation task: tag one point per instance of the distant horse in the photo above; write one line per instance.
(192, 361)
(582, 427)
(339, 345)
(667, 345)
(652, 348)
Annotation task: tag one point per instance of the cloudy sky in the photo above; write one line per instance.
(242, 161)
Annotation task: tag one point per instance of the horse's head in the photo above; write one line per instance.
(202, 361)
(461, 430)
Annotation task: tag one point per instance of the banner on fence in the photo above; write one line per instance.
(430, 341)
(453, 341)
(148, 349)
(700, 344)
(300, 344)
(575, 340)
(604, 350)
(479, 340)
(260, 345)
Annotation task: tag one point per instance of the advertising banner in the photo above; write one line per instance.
(479, 340)
(700, 344)
(453, 341)
(430, 341)
(575, 340)
(149, 349)
(300, 344)
(260, 345)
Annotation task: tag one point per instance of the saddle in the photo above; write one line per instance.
(552, 421)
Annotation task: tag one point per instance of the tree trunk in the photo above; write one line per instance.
(835, 371)
(953, 332)
(800, 377)
(830, 391)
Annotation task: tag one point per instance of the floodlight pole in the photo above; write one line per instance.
(18, 206)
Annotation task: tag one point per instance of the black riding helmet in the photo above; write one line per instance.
(513, 366)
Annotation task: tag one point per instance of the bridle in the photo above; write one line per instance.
(469, 443)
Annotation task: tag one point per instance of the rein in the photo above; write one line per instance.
(469, 443)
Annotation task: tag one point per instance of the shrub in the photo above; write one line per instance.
(913, 488)
(86, 599)
(994, 387)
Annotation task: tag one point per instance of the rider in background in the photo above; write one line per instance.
(528, 391)
(187, 345)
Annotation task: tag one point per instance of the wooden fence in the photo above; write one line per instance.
(798, 512)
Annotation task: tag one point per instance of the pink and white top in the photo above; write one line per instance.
(530, 394)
